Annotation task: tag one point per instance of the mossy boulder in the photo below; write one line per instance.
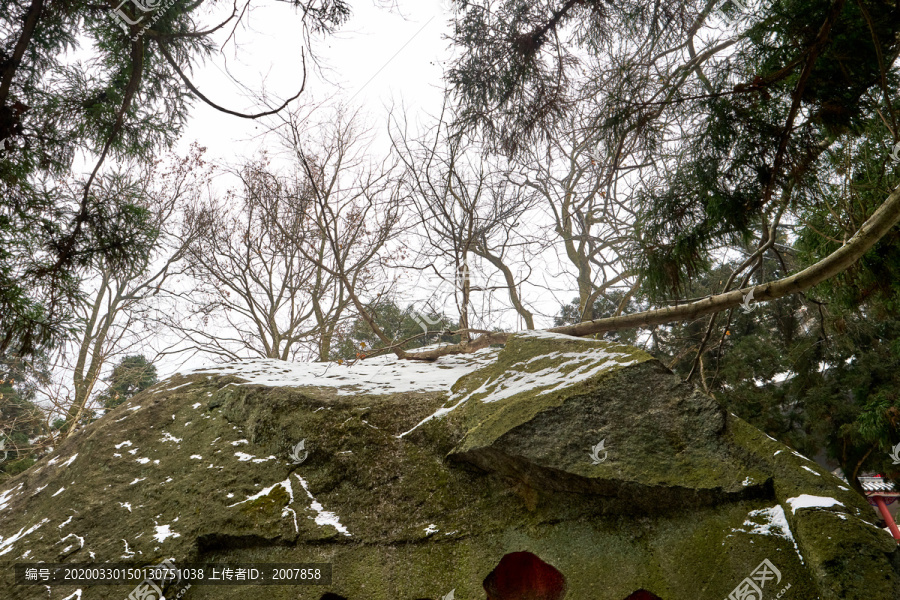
(418, 479)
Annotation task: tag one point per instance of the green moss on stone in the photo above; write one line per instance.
(670, 510)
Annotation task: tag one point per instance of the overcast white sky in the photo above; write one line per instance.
(380, 56)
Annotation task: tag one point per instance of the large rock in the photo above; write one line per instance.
(498, 487)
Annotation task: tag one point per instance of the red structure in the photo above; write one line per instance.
(880, 493)
(524, 576)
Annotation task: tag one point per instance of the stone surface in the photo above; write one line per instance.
(413, 491)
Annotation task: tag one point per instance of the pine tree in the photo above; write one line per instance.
(128, 102)
(131, 375)
(397, 323)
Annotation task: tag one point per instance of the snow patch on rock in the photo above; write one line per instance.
(808, 501)
(164, 532)
(769, 521)
(6, 545)
(323, 517)
(8, 495)
(69, 547)
(286, 484)
(569, 368)
(384, 374)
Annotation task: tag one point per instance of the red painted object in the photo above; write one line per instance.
(881, 493)
(524, 576)
(882, 507)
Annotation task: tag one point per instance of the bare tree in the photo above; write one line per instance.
(465, 206)
(113, 317)
(882, 220)
(589, 210)
(281, 260)
(254, 285)
(357, 206)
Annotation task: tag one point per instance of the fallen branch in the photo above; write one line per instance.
(483, 341)
(876, 227)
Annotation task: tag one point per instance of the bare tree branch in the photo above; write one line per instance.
(881, 221)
